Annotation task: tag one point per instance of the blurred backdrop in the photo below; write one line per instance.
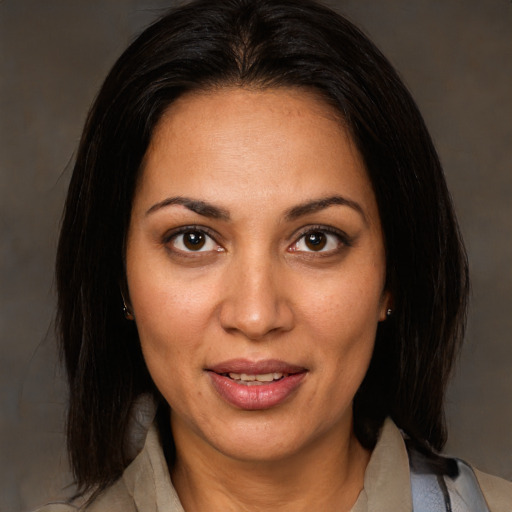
(456, 57)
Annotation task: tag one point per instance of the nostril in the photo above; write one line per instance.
(256, 325)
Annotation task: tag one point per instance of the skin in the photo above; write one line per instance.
(256, 290)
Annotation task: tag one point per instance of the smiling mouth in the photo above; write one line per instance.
(250, 385)
(255, 380)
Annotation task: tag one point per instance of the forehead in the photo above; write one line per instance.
(287, 101)
(246, 111)
(237, 142)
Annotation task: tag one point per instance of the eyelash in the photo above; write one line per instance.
(169, 237)
(343, 238)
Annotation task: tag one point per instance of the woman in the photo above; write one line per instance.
(259, 244)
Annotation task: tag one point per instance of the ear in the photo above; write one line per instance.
(127, 306)
(386, 306)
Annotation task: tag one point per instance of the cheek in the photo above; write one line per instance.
(343, 305)
(173, 321)
(172, 314)
(342, 317)
(170, 330)
(170, 326)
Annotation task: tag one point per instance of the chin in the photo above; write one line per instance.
(266, 448)
(269, 437)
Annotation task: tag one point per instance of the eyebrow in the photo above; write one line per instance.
(321, 204)
(214, 212)
(200, 207)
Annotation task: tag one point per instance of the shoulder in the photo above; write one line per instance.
(57, 507)
(454, 481)
(116, 498)
(497, 491)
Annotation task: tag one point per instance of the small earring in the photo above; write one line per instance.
(127, 313)
(389, 312)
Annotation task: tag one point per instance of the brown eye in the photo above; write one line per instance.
(315, 241)
(321, 240)
(194, 240)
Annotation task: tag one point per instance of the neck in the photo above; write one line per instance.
(326, 475)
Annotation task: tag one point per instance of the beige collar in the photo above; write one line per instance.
(387, 486)
(148, 481)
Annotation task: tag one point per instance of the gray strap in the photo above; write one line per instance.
(427, 494)
(432, 493)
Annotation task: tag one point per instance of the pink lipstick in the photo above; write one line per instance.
(253, 385)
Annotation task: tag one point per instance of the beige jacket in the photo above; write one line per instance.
(146, 485)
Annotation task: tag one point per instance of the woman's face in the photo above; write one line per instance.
(256, 268)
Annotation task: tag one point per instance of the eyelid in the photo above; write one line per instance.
(175, 232)
(345, 240)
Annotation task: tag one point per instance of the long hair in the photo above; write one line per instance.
(203, 45)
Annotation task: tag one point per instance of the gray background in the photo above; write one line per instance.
(455, 55)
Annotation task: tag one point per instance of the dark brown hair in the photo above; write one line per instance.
(258, 43)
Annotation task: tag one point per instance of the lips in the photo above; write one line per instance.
(250, 385)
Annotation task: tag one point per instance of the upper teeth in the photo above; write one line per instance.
(263, 377)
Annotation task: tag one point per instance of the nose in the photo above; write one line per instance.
(255, 304)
